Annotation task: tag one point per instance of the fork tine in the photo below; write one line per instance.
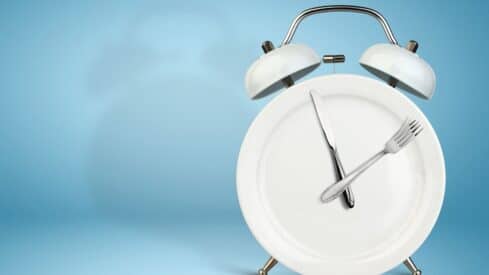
(409, 129)
(405, 128)
(403, 135)
(406, 137)
(413, 124)
(406, 140)
(413, 130)
(418, 131)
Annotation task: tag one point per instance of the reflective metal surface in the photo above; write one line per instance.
(409, 263)
(340, 8)
(406, 133)
(334, 58)
(328, 136)
(268, 266)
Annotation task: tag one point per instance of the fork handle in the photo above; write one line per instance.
(334, 190)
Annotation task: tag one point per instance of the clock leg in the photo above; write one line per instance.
(409, 263)
(268, 266)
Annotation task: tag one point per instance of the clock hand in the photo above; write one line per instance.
(327, 134)
(406, 133)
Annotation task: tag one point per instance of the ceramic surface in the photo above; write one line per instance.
(284, 165)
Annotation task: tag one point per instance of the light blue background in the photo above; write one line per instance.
(121, 123)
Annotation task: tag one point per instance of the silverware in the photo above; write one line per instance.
(406, 133)
(327, 134)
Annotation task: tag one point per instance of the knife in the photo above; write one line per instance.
(328, 136)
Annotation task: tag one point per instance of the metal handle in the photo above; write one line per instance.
(340, 171)
(333, 191)
(340, 8)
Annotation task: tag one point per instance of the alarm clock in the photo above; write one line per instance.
(287, 158)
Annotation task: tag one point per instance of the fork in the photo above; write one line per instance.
(406, 133)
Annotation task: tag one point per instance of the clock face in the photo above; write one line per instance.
(285, 164)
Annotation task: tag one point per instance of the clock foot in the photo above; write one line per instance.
(409, 263)
(267, 267)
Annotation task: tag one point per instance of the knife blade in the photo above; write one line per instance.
(328, 136)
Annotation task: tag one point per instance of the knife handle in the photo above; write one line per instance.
(336, 189)
(348, 193)
(348, 196)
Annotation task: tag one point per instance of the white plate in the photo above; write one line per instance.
(284, 166)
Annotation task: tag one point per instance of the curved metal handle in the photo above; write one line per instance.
(334, 190)
(340, 8)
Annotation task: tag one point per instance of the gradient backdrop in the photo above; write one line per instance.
(121, 122)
